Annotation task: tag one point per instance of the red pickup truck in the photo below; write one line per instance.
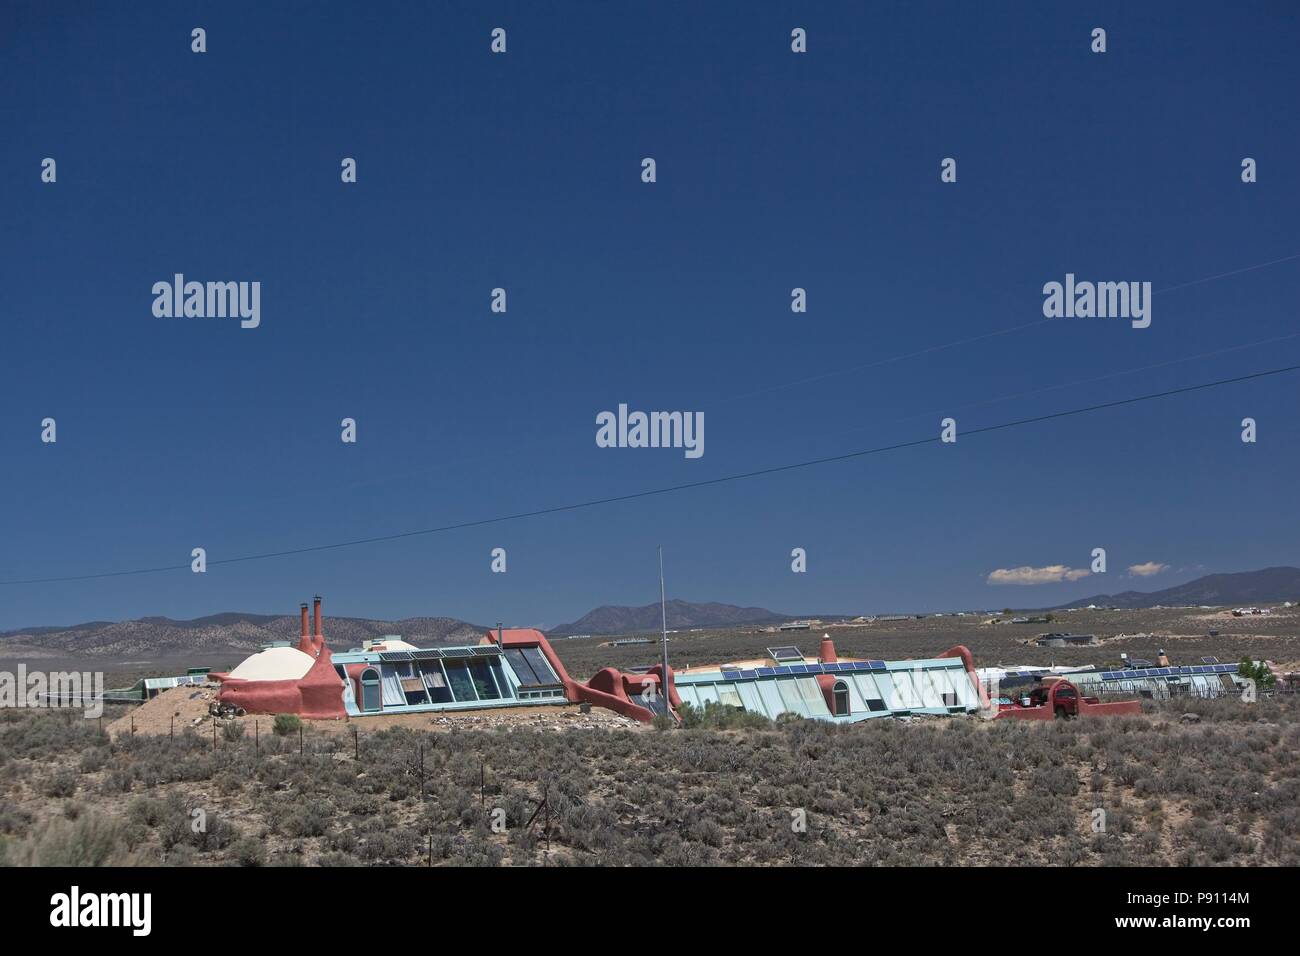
(1060, 700)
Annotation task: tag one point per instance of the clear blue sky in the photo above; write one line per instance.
(775, 170)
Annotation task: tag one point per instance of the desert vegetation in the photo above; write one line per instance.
(1196, 782)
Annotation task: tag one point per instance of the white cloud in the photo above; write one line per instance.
(1148, 569)
(1052, 574)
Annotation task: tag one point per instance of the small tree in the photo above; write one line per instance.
(286, 724)
(1256, 671)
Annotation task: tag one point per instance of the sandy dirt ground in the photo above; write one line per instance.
(181, 707)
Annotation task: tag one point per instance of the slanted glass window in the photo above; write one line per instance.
(541, 666)
(484, 683)
(531, 667)
(499, 675)
(523, 670)
(462, 685)
(439, 691)
(728, 695)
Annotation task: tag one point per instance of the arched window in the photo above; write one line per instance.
(372, 697)
(841, 699)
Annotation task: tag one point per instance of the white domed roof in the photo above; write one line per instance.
(275, 663)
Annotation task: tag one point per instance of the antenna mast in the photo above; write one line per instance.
(663, 609)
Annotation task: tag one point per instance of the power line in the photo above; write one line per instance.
(671, 489)
(929, 350)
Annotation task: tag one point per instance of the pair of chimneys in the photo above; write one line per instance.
(307, 644)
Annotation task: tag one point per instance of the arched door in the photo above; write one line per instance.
(372, 695)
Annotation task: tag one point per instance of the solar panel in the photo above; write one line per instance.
(388, 656)
(767, 672)
(485, 650)
(787, 653)
(749, 675)
(1209, 660)
(877, 665)
(427, 654)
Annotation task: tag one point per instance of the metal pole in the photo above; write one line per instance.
(663, 608)
(421, 772)
(257, 737)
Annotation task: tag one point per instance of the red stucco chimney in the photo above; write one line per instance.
(827, 654)
(319, 640)
(305, 633)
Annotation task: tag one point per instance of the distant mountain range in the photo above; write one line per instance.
(1244, 587)
(219, 635)
(618, 619)
(220, 638)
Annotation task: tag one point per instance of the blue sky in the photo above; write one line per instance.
(522, 171)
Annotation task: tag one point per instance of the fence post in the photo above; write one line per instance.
(300, 740)
(422, 775)
(356, 748)
(257, 738)
(214, 733)
(172, 732)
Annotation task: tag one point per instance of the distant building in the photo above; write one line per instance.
(1066, 640)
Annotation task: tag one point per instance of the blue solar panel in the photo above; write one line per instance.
(767, 672)
(877, 665)
(1209, 660)
(749, 675)
(861, 666)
